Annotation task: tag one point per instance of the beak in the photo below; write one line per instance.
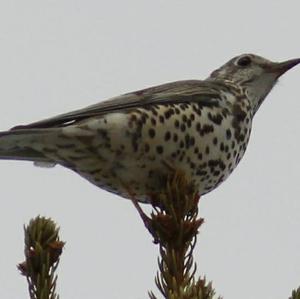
(282, 67)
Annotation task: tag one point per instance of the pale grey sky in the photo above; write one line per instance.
(56, 56)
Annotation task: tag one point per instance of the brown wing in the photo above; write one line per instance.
(204, 92)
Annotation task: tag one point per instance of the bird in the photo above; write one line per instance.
(130, 144)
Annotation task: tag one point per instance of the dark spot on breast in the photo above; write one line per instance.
(207, 150)
(225, 112)
(154, 110)
(144, 117)
(183, 106)
(182, 156)
(175, 137)
(151, 133)
(187, 141)
(167, 136)
(216, 173)
(203, 165)
(159, 149)
(228, 134)
(217, 119)
(206, 129)
(201, 172)
(222, 165)
(213, 163)
(222, 147)
(242, 137)
(168, 113)
(196, 109)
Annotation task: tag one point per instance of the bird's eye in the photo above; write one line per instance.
(244, 61)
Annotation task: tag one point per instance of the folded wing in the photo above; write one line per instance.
(203, 92)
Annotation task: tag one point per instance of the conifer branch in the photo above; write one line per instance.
(295, 294)
(174, 225)
(42, 253)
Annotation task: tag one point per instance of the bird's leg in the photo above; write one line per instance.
(147, 220)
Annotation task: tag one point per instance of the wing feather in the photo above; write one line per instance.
(204, 92)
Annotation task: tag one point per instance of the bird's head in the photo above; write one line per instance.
(255, 74)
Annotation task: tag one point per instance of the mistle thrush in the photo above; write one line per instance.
(135, 140)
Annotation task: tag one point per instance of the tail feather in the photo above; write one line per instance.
(16, 145)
